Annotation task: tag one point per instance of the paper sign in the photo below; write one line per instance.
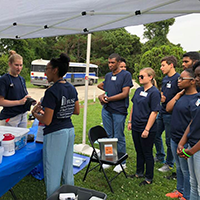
(108, 150)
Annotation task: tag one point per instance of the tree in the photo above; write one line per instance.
(152, 59)
(3, 64)
(156, 33)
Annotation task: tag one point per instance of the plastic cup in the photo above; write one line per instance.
(1, 153)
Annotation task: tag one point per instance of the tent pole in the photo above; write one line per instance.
(86, 87)
(85, 148)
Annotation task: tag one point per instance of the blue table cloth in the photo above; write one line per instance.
(16, 167)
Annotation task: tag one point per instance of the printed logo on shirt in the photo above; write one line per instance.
(143, 94)
(66, 108)
(198, 102)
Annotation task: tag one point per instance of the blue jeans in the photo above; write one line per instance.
(182, 172)
(58, 159)
(114, 126)
(164, 123)
(194, 167)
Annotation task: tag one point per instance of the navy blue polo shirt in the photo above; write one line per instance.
(61, 98)
(113, 85)
(181, 116)
(194, 134)
(143, 104)
(170, 89)
(16, 92)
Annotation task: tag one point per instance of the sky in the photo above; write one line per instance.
(184, 31)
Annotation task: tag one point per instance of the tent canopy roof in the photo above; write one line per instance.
(36, 18)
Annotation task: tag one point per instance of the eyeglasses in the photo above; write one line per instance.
(140, 76)
(184, 78)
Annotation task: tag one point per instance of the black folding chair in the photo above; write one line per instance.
(94, 134)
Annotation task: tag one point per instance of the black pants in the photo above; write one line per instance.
(144, 150)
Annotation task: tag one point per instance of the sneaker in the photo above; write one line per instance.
(165, 168)
(182, 198)
(118, 168)
(175, 194)
(157, 160)
(105, 166)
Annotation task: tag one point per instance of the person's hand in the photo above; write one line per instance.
(102, 99)
(179, 149)
(145, 134)
(38, 108)
(163, 98)
(23, 101)
(129, 126)
(180, 94)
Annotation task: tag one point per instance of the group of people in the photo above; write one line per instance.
(174, 109)
(59, 103)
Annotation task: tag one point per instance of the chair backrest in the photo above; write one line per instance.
(96, 133)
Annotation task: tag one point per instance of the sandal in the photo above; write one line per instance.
(145, 183)
(136, 176)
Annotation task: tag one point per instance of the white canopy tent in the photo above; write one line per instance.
(22, 19)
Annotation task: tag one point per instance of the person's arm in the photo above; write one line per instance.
(150, 122)
(194, 149)
(47, 116)
(183, 140)
(76, 108)
(130, 120)
(11, 103)
(171, 103)
(100, 86)
(120, 96)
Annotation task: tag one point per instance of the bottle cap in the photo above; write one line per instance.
(8, 137)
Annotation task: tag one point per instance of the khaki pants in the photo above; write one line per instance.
(17, 121)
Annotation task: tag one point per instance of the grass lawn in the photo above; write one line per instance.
(30, 188)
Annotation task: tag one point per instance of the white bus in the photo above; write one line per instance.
(75, 74)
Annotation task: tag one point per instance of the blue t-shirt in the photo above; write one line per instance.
(12, 88)
(170, 89)
(61, 98)
(143, 104)
(113, 85)
(181, 116)
(194, 134)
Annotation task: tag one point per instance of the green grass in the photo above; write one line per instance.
(30, 85)
(128, 189)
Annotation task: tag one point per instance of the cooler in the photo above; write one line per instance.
(19, 133)
(83, 193)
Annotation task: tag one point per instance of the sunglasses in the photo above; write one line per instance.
(140, 76)
(184, 78)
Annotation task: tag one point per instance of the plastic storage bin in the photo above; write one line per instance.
(83, 193)
(19, 133)
(108, 148)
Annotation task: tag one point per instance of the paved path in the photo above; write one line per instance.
(93, 91)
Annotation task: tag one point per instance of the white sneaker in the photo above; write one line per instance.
(118, 168)
(165, 168)
(105, 166)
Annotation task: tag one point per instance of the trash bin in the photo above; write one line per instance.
(83, 193)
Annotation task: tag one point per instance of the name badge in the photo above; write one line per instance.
(113, 78)
(198, 102)
(169, 85)
(143, 94)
